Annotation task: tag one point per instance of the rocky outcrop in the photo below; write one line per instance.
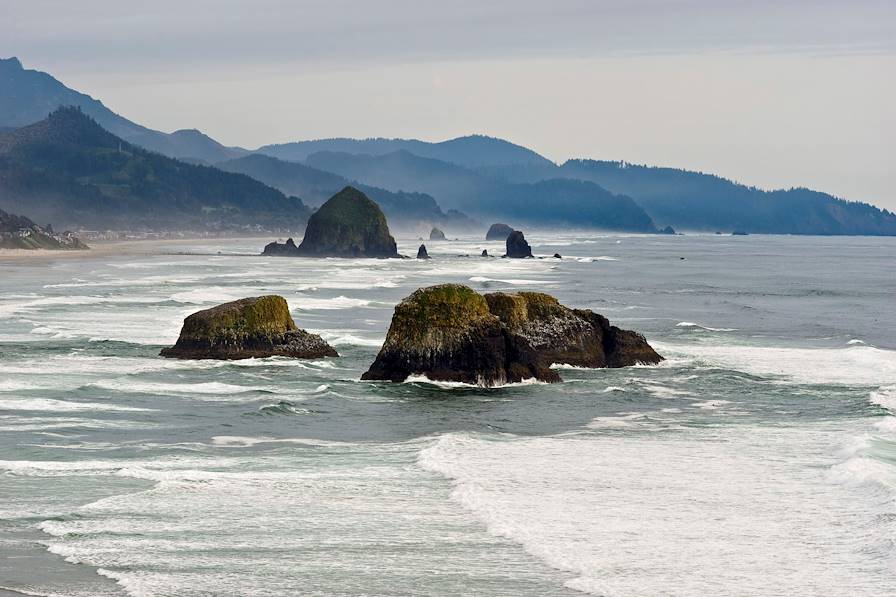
(484, 253)
(562, 335)
(517, 247)
(452, 333)
(436, 234)
(498, 232)
(349, 224)
(287, 249)
(422, 253)
(668, 230)
(248, 328)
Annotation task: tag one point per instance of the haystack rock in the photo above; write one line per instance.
(436, 234)
(422, 253)
(517, 247)
(452, 333)
(498, 232)
(248, 328)
(349, 224)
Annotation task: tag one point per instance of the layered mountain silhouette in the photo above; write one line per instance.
(68, 170)
(473, 151)
(403, 210)
(415, 180)
(553, 202)
(27, 96)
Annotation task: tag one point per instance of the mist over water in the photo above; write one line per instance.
(759, 459)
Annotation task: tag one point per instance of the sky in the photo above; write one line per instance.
(773, 94)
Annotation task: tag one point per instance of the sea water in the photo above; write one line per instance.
(758, 459)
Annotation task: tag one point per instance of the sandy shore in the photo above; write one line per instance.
(105, 249)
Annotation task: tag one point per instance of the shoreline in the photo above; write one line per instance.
(104, 249)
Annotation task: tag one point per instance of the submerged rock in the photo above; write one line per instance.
(517, 247)
(452, 333)
(248, 328)
(498, 232)
(349, 224)
(558, 256)
(436, 234)
(422, 254)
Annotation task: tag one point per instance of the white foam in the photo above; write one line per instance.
(205, 389)
(853, 365)
(692, 512)
(423, 379)
(511, 281)
(47, 404)
(321, 304)
(691, 324)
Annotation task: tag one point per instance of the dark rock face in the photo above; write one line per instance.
(558, 256)
(286, 249)
(347, 225)
(484, 253)
(248, 328)
(447, 333)
(436, 234)
(451, 333)
(422, 254)
(517, 247)
(498, 232)
(569, 336)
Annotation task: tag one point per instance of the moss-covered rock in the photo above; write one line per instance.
(498, 232)
(452, 333)
(349, 224)
(447, 333)
(248, 328)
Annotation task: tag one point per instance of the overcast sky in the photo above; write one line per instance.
(771, 93)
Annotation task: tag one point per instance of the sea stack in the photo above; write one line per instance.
(421, 253)
(349, 224)
(447, 333)
(253, 327)
(517, 247)
(451, 333)
(436, 234)
(498, 232)
(484, 253)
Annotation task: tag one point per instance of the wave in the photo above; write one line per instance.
(319, 304)
(691, 324)
(587, 505)
(852, 365)
(512, 281)
(206, 389)
(50, 405)
(423, 379)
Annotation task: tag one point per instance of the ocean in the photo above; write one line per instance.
(758, 459)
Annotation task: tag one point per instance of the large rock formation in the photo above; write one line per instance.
(248, 328)
(498, 232)
(447, 333)
(436, 234)
(348, 225)
(517, 247)
(451, 333)
(569, 336)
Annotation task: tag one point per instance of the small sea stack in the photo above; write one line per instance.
(484, 253)
(254, 327)
(558, 256)
(422, 253)
(349, 224)
(452, 333)
(498, 232)
(436, 234)
(517, 247)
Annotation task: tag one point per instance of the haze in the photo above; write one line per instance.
(774, 94)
